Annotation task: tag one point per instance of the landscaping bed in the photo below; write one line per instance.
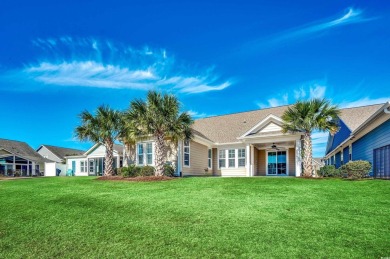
(135, 179)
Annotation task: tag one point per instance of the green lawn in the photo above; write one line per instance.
(195, 217)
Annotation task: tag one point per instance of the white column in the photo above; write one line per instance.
(33, 169)
(248, 160)
(179, 158)
(298, 158)
(252, 160)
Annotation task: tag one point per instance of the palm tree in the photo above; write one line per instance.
(307, 116)
(103, 127)
(158, 117)
(127, 136)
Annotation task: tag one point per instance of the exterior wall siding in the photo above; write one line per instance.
(261, 165)
(291, 161)
(198, 160)
(255, 161)
(46, 153)
(338, 160)
(363, 148)
(346, 155)
(340, 136)
(215, 163)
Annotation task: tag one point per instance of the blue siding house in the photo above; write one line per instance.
(364, 135)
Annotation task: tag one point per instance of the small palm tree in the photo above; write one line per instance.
(158, 117)
(103, 127)
(307, 116)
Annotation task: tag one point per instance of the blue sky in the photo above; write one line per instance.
(58, 58)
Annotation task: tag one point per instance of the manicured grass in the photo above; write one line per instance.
(195, 217)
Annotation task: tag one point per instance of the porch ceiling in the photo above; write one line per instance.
(278, 144)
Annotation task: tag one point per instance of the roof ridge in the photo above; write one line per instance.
(227, 114)
(362, 106)
(14, 140)
(61, 147)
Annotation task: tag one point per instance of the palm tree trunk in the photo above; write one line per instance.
(129, 156)
(307, 155)
(159, 155)
(109, 158)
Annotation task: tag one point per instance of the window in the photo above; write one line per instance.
(149, 153)
(241, 157)
(140, 149)
(209, 158)
(222, 158)
(350, 152)
(186, 153)
(83, 166)
(342, 157)
(382, 162)
(277, 163)
(232, 157)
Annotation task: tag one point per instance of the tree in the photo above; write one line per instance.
(158, 117)
(307, 116)
(103, 127)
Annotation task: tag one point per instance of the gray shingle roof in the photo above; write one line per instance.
(22, 149)
(61, 152)
(118, 148)
(227, 128)
(356, 116)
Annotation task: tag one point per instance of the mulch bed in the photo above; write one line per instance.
(136, 179)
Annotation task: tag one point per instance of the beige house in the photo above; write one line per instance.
(241, 144)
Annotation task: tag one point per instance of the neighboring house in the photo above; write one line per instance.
(57, 156)
(92, 161)
(364, 135)
(241, 144)
(17, 156)
(317, 164)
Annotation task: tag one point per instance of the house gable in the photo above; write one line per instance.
(4, 152)
(335, 140)
(98, 150)
(47, 153)
(271, 124)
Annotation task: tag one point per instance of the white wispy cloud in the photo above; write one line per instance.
(84, 62)
(364, 101)
(307, 90)
(350, 16)
(198, 115)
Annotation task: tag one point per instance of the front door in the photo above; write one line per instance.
(91, 167)
(276, 163)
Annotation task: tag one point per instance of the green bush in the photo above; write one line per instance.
(169, 170)
(130, 171)
(147, 171)
(356, 169)
(329, 171)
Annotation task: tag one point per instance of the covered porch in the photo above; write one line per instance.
(279, 156)
(12, 165)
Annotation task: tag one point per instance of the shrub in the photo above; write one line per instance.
(328, 171)
(169, 170)
(147, 171)
(130, 171)
(356, 169)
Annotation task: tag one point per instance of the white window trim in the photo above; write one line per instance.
(219, 167)
(266, 163)
(210, 158)
(238, 153)
(145, 154)
(235, 158)
(84, 168)
(350, 153)
(189, 154)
